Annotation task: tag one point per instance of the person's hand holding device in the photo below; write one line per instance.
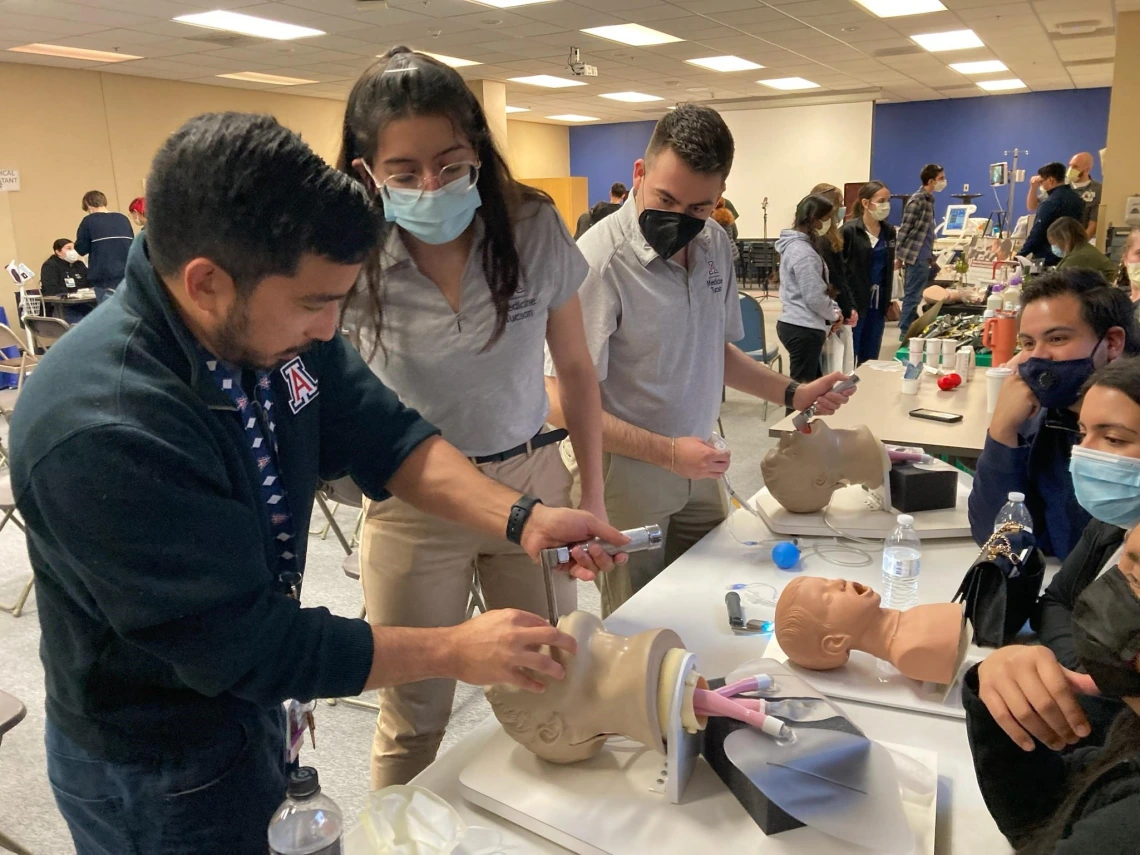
(694, 458)
(548, 527)
(822, 393)
(503, 646)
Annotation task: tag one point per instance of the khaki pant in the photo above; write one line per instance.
(417, 569)
(638, 494)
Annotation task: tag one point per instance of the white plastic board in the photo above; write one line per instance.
(850, 513)
(868, 680)
(604, 806)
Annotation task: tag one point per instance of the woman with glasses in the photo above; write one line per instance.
(475, 274)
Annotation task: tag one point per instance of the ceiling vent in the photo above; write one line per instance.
(227, 40)
(904, 50)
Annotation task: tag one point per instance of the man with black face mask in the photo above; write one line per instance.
(1071, 323)
(661, 308)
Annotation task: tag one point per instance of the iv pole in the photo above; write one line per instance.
(768, 274)
(1012, 188)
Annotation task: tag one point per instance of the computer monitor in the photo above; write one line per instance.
(957, 220)
(999, 174)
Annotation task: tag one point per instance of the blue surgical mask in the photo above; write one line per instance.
(434, 216)
(1057, 251)
(1107, 485)
(1056, 383)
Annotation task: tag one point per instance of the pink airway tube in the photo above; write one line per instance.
(710, 703)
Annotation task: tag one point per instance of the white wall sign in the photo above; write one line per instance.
(9, 180)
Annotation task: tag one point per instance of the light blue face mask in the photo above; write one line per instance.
(1107, 485)
(1057, 251)
(434, 216)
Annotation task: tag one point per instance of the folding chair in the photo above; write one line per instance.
(20, 365)
(8, 509)
(12, 712)
(45, 331)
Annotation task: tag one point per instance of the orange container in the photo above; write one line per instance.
(1000, 336)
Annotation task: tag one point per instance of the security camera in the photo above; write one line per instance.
(579, 68)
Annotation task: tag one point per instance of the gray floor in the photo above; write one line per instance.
(344, 733)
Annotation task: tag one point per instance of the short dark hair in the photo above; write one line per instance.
(929, 172)
(1068, 230)
(94, 199)
(699, 137)
(1122, 375)
(60, 244)
(1103, 306)
(250, 195)
(618, 189)
(812, 208)
(1055, 170)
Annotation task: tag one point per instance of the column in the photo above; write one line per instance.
(492, 95)
(1122, 165)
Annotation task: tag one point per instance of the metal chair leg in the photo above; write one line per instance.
(17, 608)
(333, 524)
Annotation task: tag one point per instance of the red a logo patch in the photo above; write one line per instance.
(302, 387)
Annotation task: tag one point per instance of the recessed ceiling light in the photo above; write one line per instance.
(258, 77)
(789, 83)
(510, 4)
(631, 97)
(74, 53)
(573, 117)
(986, 66)
(898, 8)
(453, 61)
(248, 25)
(511, 109)
(724, 63)
(632, 34)
(1001, 85)
(952, 40)
(547, 80)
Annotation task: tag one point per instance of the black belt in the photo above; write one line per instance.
(539, 440)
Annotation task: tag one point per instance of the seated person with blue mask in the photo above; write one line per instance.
(1023, 686)
(1071, 324)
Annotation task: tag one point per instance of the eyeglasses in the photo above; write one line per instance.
(454, 178)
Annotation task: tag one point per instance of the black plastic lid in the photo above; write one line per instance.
(303, 783)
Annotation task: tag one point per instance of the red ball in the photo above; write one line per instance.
(945, 383)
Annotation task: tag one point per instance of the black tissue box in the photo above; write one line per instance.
(914, 489)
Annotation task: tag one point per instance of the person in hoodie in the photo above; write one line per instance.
(809, 312)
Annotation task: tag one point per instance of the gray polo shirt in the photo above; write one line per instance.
(1090, 194)
(657, 331)
(488, 401)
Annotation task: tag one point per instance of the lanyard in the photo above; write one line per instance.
(255, 407)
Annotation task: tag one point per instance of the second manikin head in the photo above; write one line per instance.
(805, 469)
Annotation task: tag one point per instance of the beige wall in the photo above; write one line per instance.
(538, 151)
(68, 132)
(1122, 165)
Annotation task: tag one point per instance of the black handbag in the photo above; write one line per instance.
(1001, 587)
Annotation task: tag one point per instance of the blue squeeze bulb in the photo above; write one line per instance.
(785, 555)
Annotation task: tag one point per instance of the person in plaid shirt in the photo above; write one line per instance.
(915, 248)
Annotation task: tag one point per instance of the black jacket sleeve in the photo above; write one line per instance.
(365, 431)
(194, 589)
(1037, 243)
(836, 275)
(51, 279)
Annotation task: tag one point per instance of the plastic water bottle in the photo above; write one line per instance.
(902, 557)
(1014, 511)
(307, 823)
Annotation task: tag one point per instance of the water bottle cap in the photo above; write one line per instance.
(303, 783)
(1017, 497)
(906, 519)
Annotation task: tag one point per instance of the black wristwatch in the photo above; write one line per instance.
(520, 513)
(790, 394)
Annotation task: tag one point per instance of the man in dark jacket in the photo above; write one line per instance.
(618, 195)
(1071, 323)
(105, 238)
(165, 461)
(63, 273)
(1060, 200)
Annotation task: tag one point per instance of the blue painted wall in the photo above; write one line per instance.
(966, 135)
(605, 154)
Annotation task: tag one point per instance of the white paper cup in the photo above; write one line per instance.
(916, 349)
(933, 351)
(949, 349)
(910, 387)
(962, 364)
(995, 377)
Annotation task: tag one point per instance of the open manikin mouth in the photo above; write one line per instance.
(861, 590)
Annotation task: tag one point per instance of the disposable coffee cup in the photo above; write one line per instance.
(910, 387)
(995, 377)
(933, 351)
(916, 350)
(949, 349)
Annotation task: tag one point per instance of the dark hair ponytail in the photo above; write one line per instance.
(811, 210)
(401, 84)
(1123, 744)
